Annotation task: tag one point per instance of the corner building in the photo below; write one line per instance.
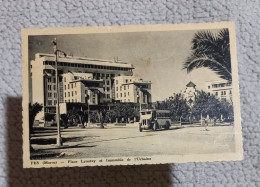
(43, 83)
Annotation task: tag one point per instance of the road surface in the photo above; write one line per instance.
(128, 141)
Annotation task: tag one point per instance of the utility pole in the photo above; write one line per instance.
(87, 101)
(139, 95)
(59, 139)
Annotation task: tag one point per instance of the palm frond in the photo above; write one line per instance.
(210, 51)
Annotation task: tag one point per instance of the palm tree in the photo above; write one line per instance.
(211, 51)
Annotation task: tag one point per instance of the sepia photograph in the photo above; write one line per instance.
(130, 95)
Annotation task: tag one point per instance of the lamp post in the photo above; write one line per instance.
(87, 101)
(139, 96)
(59, 139)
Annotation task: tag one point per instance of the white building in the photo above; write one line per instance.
(132, 89)
(221, 89)
(78, 87)
(43, 82)
(190, 93)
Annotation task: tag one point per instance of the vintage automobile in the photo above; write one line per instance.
(154, 120)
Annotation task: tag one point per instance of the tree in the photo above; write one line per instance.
(101, 112)
(34, 109)
(125, 110)
(177, 105)
(206, 104)
(211, 51)
(75, 115)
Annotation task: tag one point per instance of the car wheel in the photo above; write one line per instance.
(167, 125)
(154, 127)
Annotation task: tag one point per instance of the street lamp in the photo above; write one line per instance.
(56, 51)
(139, 97)
(87, 101)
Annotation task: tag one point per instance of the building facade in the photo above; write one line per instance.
(190, 93)
(221, 89)
(43, 81)
(132, 89)
(81, 88)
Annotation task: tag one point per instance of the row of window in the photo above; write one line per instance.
(51, 79)
(49, 102)
(125, 86)
(75, 100)
(125, 81)
(49, 87)
(223, 92)
(50, 94)
(86, 66)
(121, 95)
(72, 94)
(70, 85)
(220, 85)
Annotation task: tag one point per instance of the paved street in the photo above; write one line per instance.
(128, 141)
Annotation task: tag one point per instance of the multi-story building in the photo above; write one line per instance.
(132, 89)
(78, 87)
(43, 81)
(221, 89)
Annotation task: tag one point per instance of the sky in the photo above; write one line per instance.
(156, 56)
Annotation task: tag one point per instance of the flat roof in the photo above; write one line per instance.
(85, 60)
(86, 80)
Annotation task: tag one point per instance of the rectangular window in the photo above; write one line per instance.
(116, 81)
(108, 96)
(54, 87)
(65, 94)
(55, 95)
(117, 95)
(64, 87)
(49, 102)
(68, 94)
(71, 86)
(108, 89)
(128, 93)
(54, 80)
(93, 100)
(55, 102)
(216, 93)
(107, 82)
(124, 87)
(120, 94)
(68, 86)
(124, 94)
(75, 92)
(72, 100)
(116, 88)
(120, 88)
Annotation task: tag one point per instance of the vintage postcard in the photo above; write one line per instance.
(130, 95)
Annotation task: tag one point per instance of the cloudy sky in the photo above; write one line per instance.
(156, 56)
